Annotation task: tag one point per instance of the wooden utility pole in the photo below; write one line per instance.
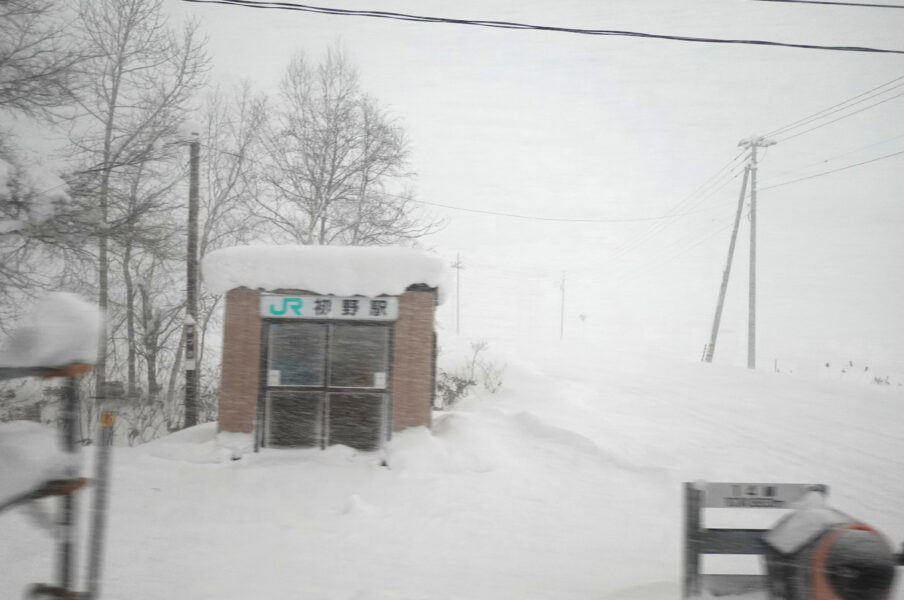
(458, 267)
(191, 307)
(753, 143)
(711, 348)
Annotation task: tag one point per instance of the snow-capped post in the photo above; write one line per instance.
(191, 307)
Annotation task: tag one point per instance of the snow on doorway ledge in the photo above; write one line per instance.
(338, 270)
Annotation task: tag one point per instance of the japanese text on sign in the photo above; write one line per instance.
(383, 308)
(754, 495)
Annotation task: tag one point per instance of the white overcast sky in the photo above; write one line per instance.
(568, 126)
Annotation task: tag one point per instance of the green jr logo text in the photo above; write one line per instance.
(293, 304)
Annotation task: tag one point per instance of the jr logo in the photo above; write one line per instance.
(293, 304)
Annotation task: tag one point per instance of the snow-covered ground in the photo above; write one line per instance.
(564, 484)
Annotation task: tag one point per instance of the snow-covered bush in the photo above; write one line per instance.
(454, 384)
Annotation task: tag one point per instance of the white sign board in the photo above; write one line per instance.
(348, 308)
(754, 495)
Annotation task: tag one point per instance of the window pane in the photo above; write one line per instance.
(294, 419)
(297, 353)
(358, 356)
(357, 420)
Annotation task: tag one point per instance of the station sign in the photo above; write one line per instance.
(343, 308)
(754, 495)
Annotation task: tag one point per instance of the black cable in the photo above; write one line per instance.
(835, 3)
(556, 219)
(837, 107)
(845, 116)
(845, 168)
(512, 25)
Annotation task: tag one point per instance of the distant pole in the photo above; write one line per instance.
(562, 309)
(458, 267)
(752, 143)
(711, 348)
(191, 308)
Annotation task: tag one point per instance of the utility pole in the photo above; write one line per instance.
(753, 143)
(562, 309)
(711, 348)
(458, 267)
(191, 307)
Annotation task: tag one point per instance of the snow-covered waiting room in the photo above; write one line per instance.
(326, 345)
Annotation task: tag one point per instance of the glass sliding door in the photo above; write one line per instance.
(359, 356)
(297, 354)
(295, 419)
(357, 420)
(327, 383)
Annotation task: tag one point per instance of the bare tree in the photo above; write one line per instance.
(231, 142)
(38, 70)
(336, 163)
(141, 77)
(38, 60)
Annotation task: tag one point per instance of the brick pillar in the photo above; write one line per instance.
(412, 377)
(241, 361)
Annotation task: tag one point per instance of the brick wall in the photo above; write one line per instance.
(241, 361)
(412, 378)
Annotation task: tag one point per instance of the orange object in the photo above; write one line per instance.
(73, 370)
(820, 587)
(107, 419)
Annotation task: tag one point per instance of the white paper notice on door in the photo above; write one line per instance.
(272, 378)
(380, 379)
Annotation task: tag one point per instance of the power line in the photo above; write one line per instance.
(514, 25)
(700, 196)
(857, 150)
(556, 219)
(836, 3)
(830, 110)
(845, 168)
(845, 116)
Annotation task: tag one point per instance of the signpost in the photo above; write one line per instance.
(346, 308)
(699, 540)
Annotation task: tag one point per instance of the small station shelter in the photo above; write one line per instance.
(326, 345)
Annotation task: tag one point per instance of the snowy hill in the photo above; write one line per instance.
(564, 484)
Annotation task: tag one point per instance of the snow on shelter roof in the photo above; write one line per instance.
(338, 270)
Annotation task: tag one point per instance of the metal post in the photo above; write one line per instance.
(191, 308)
(711, 349)
(692, 523)
(66, 548)
(102, 474)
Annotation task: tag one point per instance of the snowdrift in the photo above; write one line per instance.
(564, 484)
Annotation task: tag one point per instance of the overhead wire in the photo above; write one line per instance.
(831, 109)
(844, 116)
(698, 197)
(556, 219)
(845, 168)
(668, 258)
(526, 26)
(850, 152)
(836, 3)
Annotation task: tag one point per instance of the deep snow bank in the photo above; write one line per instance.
(564, 484)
